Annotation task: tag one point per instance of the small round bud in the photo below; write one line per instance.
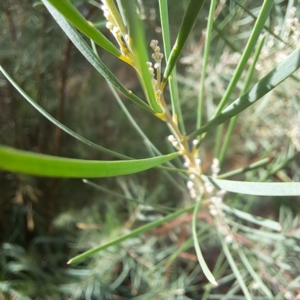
(171, 138)
(195, 142)
(198, 161)
(190, 184)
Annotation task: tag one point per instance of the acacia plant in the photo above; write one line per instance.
(158, 79)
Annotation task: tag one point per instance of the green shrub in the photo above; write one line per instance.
(256, 249)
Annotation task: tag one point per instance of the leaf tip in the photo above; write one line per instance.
(84, 181)
(213, 282)
(69, 262)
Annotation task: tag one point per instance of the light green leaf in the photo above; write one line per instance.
(256, 277)
(258, 188)
(51, 166)
(87, 28)
(235, 269)
(285, 69)
(87, 52)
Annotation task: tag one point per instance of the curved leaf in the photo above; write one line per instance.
(51, 166)
(285, 69)
(86, 51)
(87, 28)
(200, 257)
(258, 188)
(57, 123)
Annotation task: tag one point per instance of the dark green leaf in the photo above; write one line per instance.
(186, 26)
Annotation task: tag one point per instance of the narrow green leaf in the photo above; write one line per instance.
(267, 28)
(258, 164)
(87, 28)
(132, 234)
(258, 234)
(200, 257)
(87, 52)
(258, 188)
(235, 270)
(57, 123)
(224, 37)
(51, 166)
(140, 56)
(244, 89)
(257, 29)
(121, 196)
(253, 219)
(186, 26)
(285, 69)
(253, 273)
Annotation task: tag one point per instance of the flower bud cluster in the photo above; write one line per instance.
(157, 56)
(274, 51)
(216, 200)
(292, 31)
(191, 187)
(215, 168)
(193, 164)
(174, 142)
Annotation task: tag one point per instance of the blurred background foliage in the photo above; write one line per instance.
(44, 222)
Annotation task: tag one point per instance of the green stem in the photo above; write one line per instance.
(251, 167)
(132, 234)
